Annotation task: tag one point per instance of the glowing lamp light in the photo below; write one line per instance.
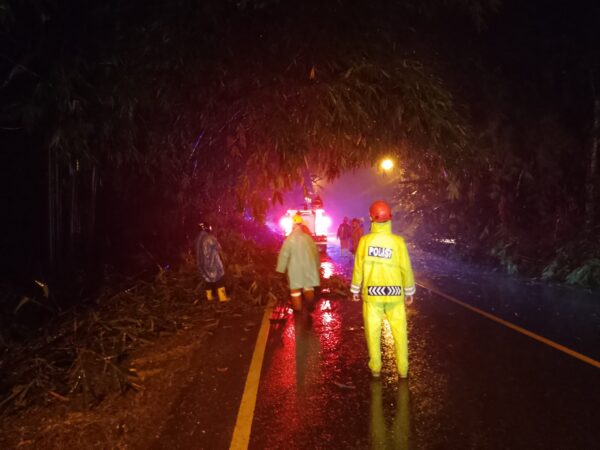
(286, 224)
(387, 164)
(322, 222)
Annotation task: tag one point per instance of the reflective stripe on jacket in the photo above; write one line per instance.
(382, 270)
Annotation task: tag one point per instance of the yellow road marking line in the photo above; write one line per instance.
(537, 337)
(243, 424)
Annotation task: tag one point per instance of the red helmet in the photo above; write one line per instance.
(380, 211)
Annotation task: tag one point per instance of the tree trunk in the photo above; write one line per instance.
(94, 190)
(51, 210)
(591, 184)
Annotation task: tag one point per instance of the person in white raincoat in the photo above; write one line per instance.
(299, 257)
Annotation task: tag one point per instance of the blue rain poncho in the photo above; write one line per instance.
(208, 257)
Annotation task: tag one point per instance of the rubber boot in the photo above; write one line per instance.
(309, 300)
(209, 295)
(297, 303)
(222, 295)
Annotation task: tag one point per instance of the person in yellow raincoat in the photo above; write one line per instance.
(383, 275)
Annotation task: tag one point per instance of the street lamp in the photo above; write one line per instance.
(387, 164)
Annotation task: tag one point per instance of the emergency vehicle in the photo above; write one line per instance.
(314, 218)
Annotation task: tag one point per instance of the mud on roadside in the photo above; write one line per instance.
(134, 419)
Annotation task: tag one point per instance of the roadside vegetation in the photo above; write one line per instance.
(80, 355)
(526, 197)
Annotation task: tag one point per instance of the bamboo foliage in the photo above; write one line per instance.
(169, 107)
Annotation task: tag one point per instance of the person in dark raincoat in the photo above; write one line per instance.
(210, 263)
(299, 258)
(344, 234)
(357, 232)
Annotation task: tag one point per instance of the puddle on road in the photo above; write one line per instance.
(391, 430)
(327, 269)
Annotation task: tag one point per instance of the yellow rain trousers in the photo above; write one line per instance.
(373, 315)
(383, 275)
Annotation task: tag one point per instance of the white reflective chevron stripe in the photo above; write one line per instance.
(388, 291)
(410, 290)
(354, 289)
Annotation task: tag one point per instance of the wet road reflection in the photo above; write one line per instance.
(396, 435)
(306, 345)
(473, 384)
(309, 392)
(327, 269)
(564, 314)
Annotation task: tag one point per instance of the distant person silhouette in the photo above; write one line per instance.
(357, 232)
(344, 234)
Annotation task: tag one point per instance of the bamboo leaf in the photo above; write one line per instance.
(22, 302)
(44, 287)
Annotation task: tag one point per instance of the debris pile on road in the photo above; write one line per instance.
(335, 286)
(82, 355)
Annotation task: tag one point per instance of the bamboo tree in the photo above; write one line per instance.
(591, 183)
(130, 98)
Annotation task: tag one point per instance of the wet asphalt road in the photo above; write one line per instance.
(473, 384)
(567, 315)
(203, 413)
